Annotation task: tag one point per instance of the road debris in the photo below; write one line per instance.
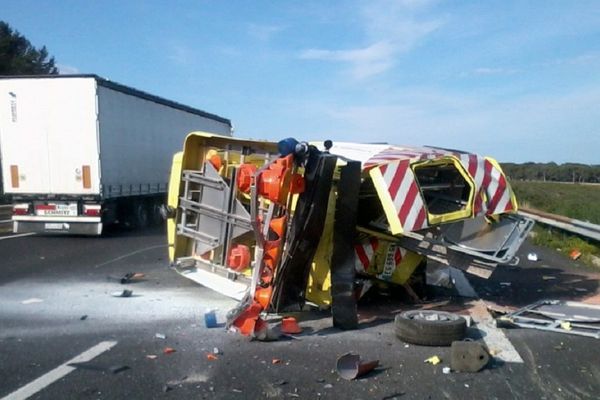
(548, 277)
(575, 254)
(128, 277)
(211, 357)
(276, 361)
(350, 366)
(169, 350)
(290, 326)
(446, 370)
(123, 293)
(83, 317)
(558, 316)
(160, 336)
(33, 300)
(210, 318)
(151, 356)
(216, 350)
(532, 257)
(468, 356)
(433, 360)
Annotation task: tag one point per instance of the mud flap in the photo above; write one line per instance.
(343, 305)
(305, 233)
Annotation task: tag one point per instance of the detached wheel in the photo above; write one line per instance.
(430, 328)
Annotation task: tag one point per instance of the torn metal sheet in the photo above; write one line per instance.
(558, 316)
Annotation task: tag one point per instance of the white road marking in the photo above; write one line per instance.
(17, 236)
(57, 373)
(494, 338)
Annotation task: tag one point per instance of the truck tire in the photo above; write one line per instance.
(430, 328)
(141, 215)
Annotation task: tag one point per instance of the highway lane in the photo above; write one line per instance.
(73, 278)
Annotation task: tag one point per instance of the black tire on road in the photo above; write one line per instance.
(430, 328)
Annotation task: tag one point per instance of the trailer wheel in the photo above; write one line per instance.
(430, 328)
(157, 218)
(141, 217)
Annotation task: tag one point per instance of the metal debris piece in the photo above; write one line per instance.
(553, 315)
(123, 293)
(468, 356)
(350, 366)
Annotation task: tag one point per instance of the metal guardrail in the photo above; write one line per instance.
(5, 221)
(581, 228)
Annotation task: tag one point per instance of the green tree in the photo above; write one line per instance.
(19, 57)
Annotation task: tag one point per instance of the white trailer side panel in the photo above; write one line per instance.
(138, 138)
(48, 131)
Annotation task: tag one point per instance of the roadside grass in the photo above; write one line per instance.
(571, 200)
(577, 201)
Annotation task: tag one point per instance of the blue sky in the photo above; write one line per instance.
(518, 80)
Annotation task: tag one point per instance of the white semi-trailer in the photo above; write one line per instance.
(79, 152)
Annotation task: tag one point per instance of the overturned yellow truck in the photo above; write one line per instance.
(279, 225)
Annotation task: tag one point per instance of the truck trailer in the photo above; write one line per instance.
(79, 152)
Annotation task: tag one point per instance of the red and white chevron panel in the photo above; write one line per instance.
(404, 192)
(489, 180)
(365, 253)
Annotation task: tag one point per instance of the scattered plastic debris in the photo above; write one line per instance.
(446, 370)
(434, 360)
(350, 366)
(532, 257)
(275, 361)
(169, 350)
(290, 326)
(123, 293)
(128, 277)
(211, 357)
(575, 254)
(152, 356)
(32, 301)
(210, 318)
(328, 386)
(160, 336)
(216, 350)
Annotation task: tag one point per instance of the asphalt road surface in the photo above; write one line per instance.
(56, 307)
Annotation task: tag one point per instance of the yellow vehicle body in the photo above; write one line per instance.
(409, 191)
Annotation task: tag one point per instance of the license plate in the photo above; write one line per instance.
(54, 226)
(57, 210)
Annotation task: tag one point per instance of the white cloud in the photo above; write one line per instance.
(180, 54)
(64, 69)
(493, 71)
(263, 32)
(391, 28)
